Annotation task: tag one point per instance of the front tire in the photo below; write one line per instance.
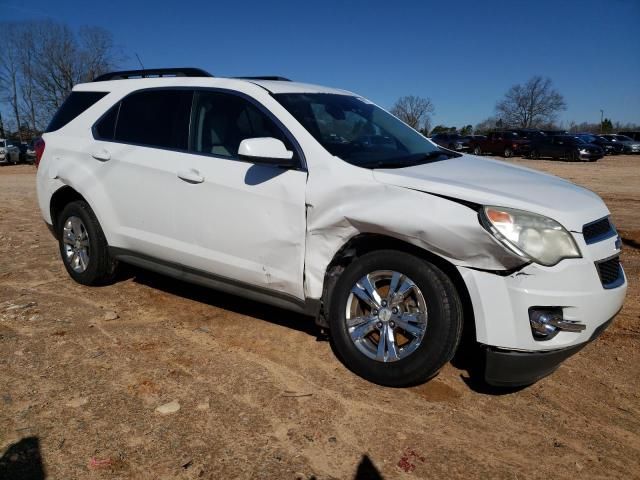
(83, 246)
(395, 319)
(508, 153)
(477, 151)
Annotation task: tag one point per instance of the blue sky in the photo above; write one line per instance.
(464, 55)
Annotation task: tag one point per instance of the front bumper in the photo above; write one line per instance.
(509, 368)
(501, 303)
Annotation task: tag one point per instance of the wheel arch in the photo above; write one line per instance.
(364, 243)
(61, 198)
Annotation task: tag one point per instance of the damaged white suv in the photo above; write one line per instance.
(318, 201)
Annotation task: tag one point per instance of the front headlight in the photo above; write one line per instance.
(529, 235)
(583, 151)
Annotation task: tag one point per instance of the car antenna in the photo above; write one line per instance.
(139, 61)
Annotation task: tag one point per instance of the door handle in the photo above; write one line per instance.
(103, 155)
(191, 176)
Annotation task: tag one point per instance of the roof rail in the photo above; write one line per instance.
(154, 72)
(265, 77)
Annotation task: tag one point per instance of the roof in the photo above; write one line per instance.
(273, 86)
(297, 87)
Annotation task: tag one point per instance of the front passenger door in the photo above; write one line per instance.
(242, 221)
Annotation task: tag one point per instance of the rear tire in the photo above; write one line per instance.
(477, 151)
(83, 246)
(357, 327)
(508, 153)
(535, 155)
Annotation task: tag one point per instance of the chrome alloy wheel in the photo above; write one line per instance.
(76, 244)
(386, 316)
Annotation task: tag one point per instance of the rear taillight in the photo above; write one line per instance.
(38, 146)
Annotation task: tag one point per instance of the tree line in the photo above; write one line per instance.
(40, 62)
(534, 104)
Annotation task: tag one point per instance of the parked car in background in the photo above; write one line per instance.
(528, 133)
(566, 147)
(452, 141)
(609, 147)
(23, 151)
(475, 137)
(505, 143)
(632, 135)
(9, 153)
(31, 152)
(629, 145)
(551, 133)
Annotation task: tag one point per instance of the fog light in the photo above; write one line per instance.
(541, 323)
(547, 322)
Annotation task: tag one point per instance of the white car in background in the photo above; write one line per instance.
(9, 153)
(316, 200)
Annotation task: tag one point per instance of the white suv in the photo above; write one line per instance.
(318, 201)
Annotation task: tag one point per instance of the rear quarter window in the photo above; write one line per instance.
(105, 129)
(74, 105)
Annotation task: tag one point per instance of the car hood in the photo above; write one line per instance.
(492, 182)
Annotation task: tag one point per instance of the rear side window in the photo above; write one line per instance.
(74, 105)
(155, 118)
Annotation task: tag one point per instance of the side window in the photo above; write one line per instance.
(220, 121)
(156, 118)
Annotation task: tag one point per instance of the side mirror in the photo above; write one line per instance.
(266, 150)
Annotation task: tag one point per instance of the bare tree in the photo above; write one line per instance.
(57, 69)
(10, 70)
(27, 39)
(41, 61)
(532, 104)
(414, 111)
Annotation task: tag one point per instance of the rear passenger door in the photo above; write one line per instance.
(243, 221)
(140, 146)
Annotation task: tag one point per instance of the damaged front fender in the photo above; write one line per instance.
(441, 226)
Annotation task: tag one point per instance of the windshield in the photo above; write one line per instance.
(359, 132)
(623, 138)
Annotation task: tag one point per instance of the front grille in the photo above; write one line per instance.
(597, 231)
(610, 272)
